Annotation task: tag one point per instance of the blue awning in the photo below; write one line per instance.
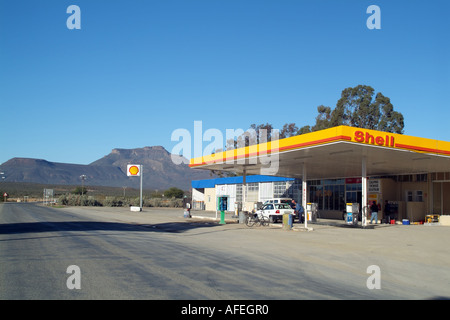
(211, 183)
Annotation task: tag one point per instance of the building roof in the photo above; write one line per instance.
(211, 183)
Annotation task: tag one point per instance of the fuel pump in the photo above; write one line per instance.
(311, 211)
(352, 213)
(222, 204)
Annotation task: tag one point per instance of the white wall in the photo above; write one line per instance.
(265, 191)
(227, 190)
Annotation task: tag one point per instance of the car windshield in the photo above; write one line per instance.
(282, 206)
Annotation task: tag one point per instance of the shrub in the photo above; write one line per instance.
(78, 200)
(174, 193)
(113, 202)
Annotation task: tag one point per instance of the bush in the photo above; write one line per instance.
(91, 201)
(166, 203)
(78, 200)
(80, 190)
(174, 193)
(113, 202)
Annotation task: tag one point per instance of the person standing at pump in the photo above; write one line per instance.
(387, 211)
(294, 206)
(374, 212)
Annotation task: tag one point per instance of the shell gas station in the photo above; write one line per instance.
(345, 169)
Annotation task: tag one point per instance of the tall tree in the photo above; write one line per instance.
(390, 120)
(263, 131)
(254, 135)
(358, 108)
(289, 130)
(323, 119)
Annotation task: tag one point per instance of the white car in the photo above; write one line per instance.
(279, 200)
(275, 211)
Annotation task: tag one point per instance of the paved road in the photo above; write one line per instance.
(157, 254)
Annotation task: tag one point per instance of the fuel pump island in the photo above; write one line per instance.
(352, 213)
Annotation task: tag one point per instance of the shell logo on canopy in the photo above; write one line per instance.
(361, 136)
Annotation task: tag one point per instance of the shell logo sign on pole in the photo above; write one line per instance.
(135, 170)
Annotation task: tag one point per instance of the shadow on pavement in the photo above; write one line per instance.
(36, 227)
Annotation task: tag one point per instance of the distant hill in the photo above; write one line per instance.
(159, 170)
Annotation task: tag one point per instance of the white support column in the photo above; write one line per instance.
(304, 195)
(364, 194)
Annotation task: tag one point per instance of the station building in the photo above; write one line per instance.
(258, 188)
(336, 166)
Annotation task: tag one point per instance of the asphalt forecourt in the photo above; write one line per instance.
(177, 214)
(410, 259)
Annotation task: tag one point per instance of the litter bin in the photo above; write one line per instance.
(287, 221)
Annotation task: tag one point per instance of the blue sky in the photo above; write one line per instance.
(138, 70)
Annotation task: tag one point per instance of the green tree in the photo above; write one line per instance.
(289, 130)
(80, 190)
(390, 120)
(174, 192)
(323, 119)
(357, 107)
(262, 135)
(305, 129)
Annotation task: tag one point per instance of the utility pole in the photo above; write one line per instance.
(82, 177)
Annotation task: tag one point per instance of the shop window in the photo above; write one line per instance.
(279, 189)
(419, 196)
(409, 196)
(328, 197)
(422, 177)
(316, 195)
(413, 178)
(239, 192)
(415, 195)
(252, 191)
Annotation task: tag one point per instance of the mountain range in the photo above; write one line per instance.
(159, 170)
